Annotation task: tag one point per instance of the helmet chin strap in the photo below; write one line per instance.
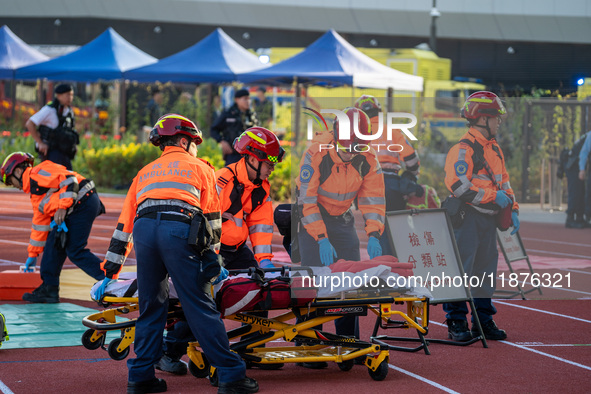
(487, 128)
(257, 180)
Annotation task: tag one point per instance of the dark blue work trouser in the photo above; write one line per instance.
(161, 249)
(477, 244)
(342, 234)
(576, 192)
(177, 339)
(79, 224)
(588, 192)
(394, 202)
(58, 157)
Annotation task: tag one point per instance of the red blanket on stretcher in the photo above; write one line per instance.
(402, 269)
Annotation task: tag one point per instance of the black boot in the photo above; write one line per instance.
(43, 294)
(457, 330)
(571, 223)
(171, 365)
(580, 221)
(244, 386)
(491, 331)
(148, 386)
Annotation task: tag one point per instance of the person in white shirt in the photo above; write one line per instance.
(53, 128)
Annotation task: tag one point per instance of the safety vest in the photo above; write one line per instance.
(175, 182)
(247, 210)
(468, 177)
(328, 182)
(52, 187)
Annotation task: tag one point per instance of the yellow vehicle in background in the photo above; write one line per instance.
(437, 108)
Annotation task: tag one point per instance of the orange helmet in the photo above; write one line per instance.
(363, 127)
(368, 104)
(260, 143)
(173, 124)
(482, 104)
(12, 161)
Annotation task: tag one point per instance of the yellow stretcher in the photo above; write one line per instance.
(312, 345)
(304, 343)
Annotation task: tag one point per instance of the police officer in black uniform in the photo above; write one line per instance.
(53, 128)
(232, 122)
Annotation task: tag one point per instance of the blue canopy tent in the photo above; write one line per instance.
(15, 53)
(331, 60)
(216, 59)
(104, 58)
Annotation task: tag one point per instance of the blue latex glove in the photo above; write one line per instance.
(61, 227)
(327, 252)
(100, 292)
(502, 199)
(266, 263)
(30, 264)
(374, 249)
(515, 218)
(223, 275)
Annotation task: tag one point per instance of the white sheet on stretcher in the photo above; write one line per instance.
(348, 280)
(119, 288)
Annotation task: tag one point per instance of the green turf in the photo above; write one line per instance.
(45, 325)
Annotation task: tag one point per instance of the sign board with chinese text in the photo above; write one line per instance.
(425, 238)
(511, 245)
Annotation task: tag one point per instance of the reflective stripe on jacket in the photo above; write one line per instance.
(474, 185)
(246, 210)
(52, 187)
(328, 181)
(391, 160)
(174, 177)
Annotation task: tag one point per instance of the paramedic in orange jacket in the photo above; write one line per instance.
(475, 173)
(331, 177)
(65, 205)
(166, 199)
(393, 155)
(247, 209)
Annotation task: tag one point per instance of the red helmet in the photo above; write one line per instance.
(12, 161)
(261, 143)
(368, 104)
(483, 104)
(173, 124)
(363, 127)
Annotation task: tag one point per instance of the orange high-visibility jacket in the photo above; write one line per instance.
(174, 179)
(52, 187)
(391, 160)
(247, 209)
(474, 185)
(328, 181)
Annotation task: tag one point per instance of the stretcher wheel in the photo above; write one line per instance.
(346, 365)
(87, 343)
(381, 372)
(196, 371)
(114, 353)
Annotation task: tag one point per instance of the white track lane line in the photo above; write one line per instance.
(549, 241)
(4, 388)
(547, 355)
(578, 256)
(422, 379)
(553, 288)
(542, 311)
(573, 270)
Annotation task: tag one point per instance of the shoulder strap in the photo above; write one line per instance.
(478, 157)
(236, 194)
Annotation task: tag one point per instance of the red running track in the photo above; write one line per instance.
(548, 347)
